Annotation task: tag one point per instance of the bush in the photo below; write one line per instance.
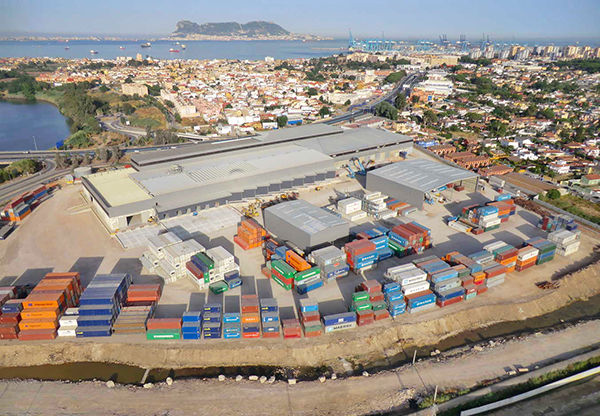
(553, 194)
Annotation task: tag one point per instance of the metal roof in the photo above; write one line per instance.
(421, 174)
(305, 216)
(353, 140)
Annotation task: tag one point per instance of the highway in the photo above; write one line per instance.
(117, 127)
(368, 108)
(21, 185)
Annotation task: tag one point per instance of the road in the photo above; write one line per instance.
(19, 186)
(116, 126)
(368, 108)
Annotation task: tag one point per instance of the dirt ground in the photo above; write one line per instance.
(345, 396)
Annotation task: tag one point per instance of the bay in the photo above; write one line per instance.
(20, 121)
(243, 50)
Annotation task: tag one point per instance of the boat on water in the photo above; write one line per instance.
(67, 48)
(183, 46)
(173, 50)
(121, 47)
(146, 45)
(94, 52)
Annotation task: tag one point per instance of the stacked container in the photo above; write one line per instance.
(394, 299)
(360, 302)
(567, 242)
(191, 325)
(212, 321)
(339, 322)
(45, 305)
(410, 238)
(283, 274)
(269, 317)
(163, 328)
(291, 328)
(546, 248)
(249, 234)
(132, 319)
(250, 317)
(311, 318)
(16, 210)
(67, 324)
(308, 280)
(332, 262)
(374, 204)
(232, 325)
(557, 222)
(143, 295)
(402, 208)
(360, 255)
(350, 209)
(10, 313)
(232, 278)
(168, 256)
(376, 298)
(101, 303)
(526, 258)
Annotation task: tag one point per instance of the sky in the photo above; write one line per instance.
(398, 19)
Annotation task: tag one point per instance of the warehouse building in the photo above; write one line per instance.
(304, 224)
(168, 183)
(418, 180)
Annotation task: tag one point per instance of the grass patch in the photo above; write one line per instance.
(575, 205)
(148, 117)
(512, 391)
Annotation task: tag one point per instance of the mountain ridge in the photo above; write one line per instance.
(257, 29)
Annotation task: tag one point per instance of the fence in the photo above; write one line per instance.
(583, 221)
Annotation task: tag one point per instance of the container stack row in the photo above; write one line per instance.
(351, 209)
(374, 204)
(332, 262)
(402, 209)
(490, 216)
(557, 222)
(19, 208)
(567, 242)
(167, 256)
(11, 306)
(250, 318)
(311, 318)
(45, 305)
(212, 321)
(163, 329)
(101, 304)
(410, 238)
(214, 269)
(547, 249)
(250, 234)
(269, 318)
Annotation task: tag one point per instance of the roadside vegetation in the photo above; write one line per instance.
(575, 205)
(512, 391)
(19, 168)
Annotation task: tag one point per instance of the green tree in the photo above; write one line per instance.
(498, 128)
(103, 88)
(385, 109)
(400, 102)
(429, 117)
(324, 111)
(282, 121)
(60, 160)
(394, 77)
(311, 92)
(103, 154)
(415, 99)
(88, 158)
(474, 116)
(348, 102)
(117, 153)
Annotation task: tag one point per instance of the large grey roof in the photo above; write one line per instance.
(422, 174)
(305, 216)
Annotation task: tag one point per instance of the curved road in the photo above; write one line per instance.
(21, 185)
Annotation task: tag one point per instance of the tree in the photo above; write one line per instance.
(400, 102)
(103, 88)
(88, 158)
(429, 117)
(348, 102)
(282, 121)
(553, 194)
(128, 80)
(148, 136)
(385, 109)
(394, 77)
(498, 128)
(474, 116)
(117, 153)
(311, 92)
(415, 99)
(324, 111)
(103, 154)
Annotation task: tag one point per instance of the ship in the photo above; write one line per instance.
(94, 52)
(146, 45)
(183, 47)
(67, 48)
(173, 50)
(121, 47)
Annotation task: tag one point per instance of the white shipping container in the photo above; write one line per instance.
(459, 226)
(392, 271)
(488, 217)
(497, 182)
(490, 222)
(67, 332)
(387, 214)
(415, 288)
(355, 216)
(494, 245)
(349, 205)
(220, 256)
(530, 253)
(67, 321)
(563, 237)
(340, 327)
(372, 195)
(410, 277)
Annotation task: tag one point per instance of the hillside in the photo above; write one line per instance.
(227, 30)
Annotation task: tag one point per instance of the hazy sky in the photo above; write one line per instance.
(562, 19)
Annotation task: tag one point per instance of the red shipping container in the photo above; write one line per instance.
(251, 335)
(10, 318)
(481, 289)
(365, 314)
(381, 314)
(270, 334)
(250, 308)
(467, 280)
(310, 316)
(358, 247)
(366, 321)
(9, 336)
(470, 288)
(449, 301)
(371, 286)
(267, 272)
(313, 334)
(376, 296)
(37, 334)
(292, 336)
(418, 294)
(495, 271)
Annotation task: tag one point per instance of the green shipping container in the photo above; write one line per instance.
(379, 305)
(546, 260)
(470, 295)
(313, 271)
(206, 260)
(358, 296)
(158, 334)
(313, 328)
(464, 273)
(283, 285)
(218, 287)
(283, 268)
(361, 306)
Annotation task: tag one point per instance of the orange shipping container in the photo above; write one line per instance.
(297, 262)
(44, 300)
(250, 318)
(40, 313)
(38, 324)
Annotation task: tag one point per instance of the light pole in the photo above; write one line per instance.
(35, 144)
